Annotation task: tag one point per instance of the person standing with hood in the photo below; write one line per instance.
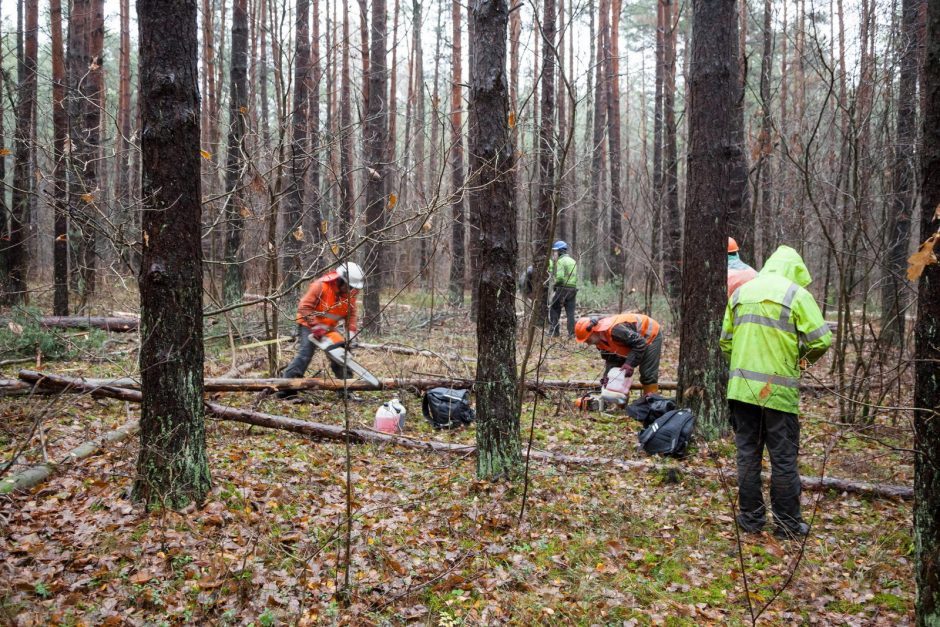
(772, 329)
(563, 270)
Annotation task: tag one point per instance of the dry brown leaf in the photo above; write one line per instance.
(924, 257)
(299, 234)
(4, 152)
(87, 197)
(392, 201)
(205, 154)
(765, 391)
(140, 577)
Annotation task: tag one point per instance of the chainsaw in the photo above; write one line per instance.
(334, 346)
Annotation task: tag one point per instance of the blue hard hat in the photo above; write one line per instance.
(560, 245)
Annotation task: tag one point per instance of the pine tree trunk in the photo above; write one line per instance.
(492, 159)
(612, 56)
(894, 291)
(547, 155)
(656, 194)
(173, 467)
(713, 162)
(60, 130)
(457, 249)
(765, 139)
(420, 125)
(17, 253)
(927, 348)
(348, 199)
(561, 99)
(263, 79)
(123, 200)
(375, 140)
(594, 263)
(294, 197)
(318, 230)
(672, 241)
(236, 206)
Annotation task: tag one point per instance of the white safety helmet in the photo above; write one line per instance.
(352, 274)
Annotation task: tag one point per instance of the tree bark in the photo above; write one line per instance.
(765, 139)
(60, 130)
(547, 152)
(17, 251)
(236, 205)
(457, 248)
(122, 196)
(318, 230)
(672, 241)
(173, 466)
(656, 194)
(90, 322)
(294, 196)
(612, 56)
(894, 290)
(713, 162)
(594, 260)
(348, 199)
(492, 159)
(375, 140)
(927, 349)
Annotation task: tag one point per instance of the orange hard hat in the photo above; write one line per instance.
(732, 245)
(583, 328)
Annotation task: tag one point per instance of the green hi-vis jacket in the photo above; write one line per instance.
(564, 272)
(770, 324)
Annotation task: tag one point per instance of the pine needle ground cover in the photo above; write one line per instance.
(429, 543)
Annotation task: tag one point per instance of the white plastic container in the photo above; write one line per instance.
(390, 417)
(618, 382)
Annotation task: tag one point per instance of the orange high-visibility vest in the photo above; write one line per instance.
(323, 304)
(646, 326)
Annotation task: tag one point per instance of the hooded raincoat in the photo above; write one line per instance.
(770, 324)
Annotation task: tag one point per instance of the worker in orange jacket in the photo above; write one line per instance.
(329, 300)
(627, 341)
(739, 272)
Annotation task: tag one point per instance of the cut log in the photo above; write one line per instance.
(333, 432)
(407, 350)
(34, 475)
(120, 325)
(259, 385)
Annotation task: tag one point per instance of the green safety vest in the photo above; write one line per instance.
(565, 272)
(770, 324)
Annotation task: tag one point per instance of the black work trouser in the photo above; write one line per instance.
(562, 297)
(754, 428)
(298, 367)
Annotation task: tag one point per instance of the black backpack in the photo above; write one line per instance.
(669, 435)
(445, 408)
(646, 409)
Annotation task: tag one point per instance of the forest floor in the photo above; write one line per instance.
(430, 543)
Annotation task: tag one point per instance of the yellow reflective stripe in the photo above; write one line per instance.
(773, 379)
(817, 333)
(781, 325)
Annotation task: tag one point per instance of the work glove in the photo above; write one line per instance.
(604, 382)
(627, 370)
(318, 331)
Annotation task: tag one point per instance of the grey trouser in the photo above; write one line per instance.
(754, 428)
(649, 362)
(298, 367)
(562, 297)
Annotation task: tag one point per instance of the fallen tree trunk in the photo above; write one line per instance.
(34, 475)
(333, 432)
(407, 350)
(259, 385)
(121, 325)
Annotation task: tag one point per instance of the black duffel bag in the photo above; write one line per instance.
(446, 408)
(646, 409)
(669, 435)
